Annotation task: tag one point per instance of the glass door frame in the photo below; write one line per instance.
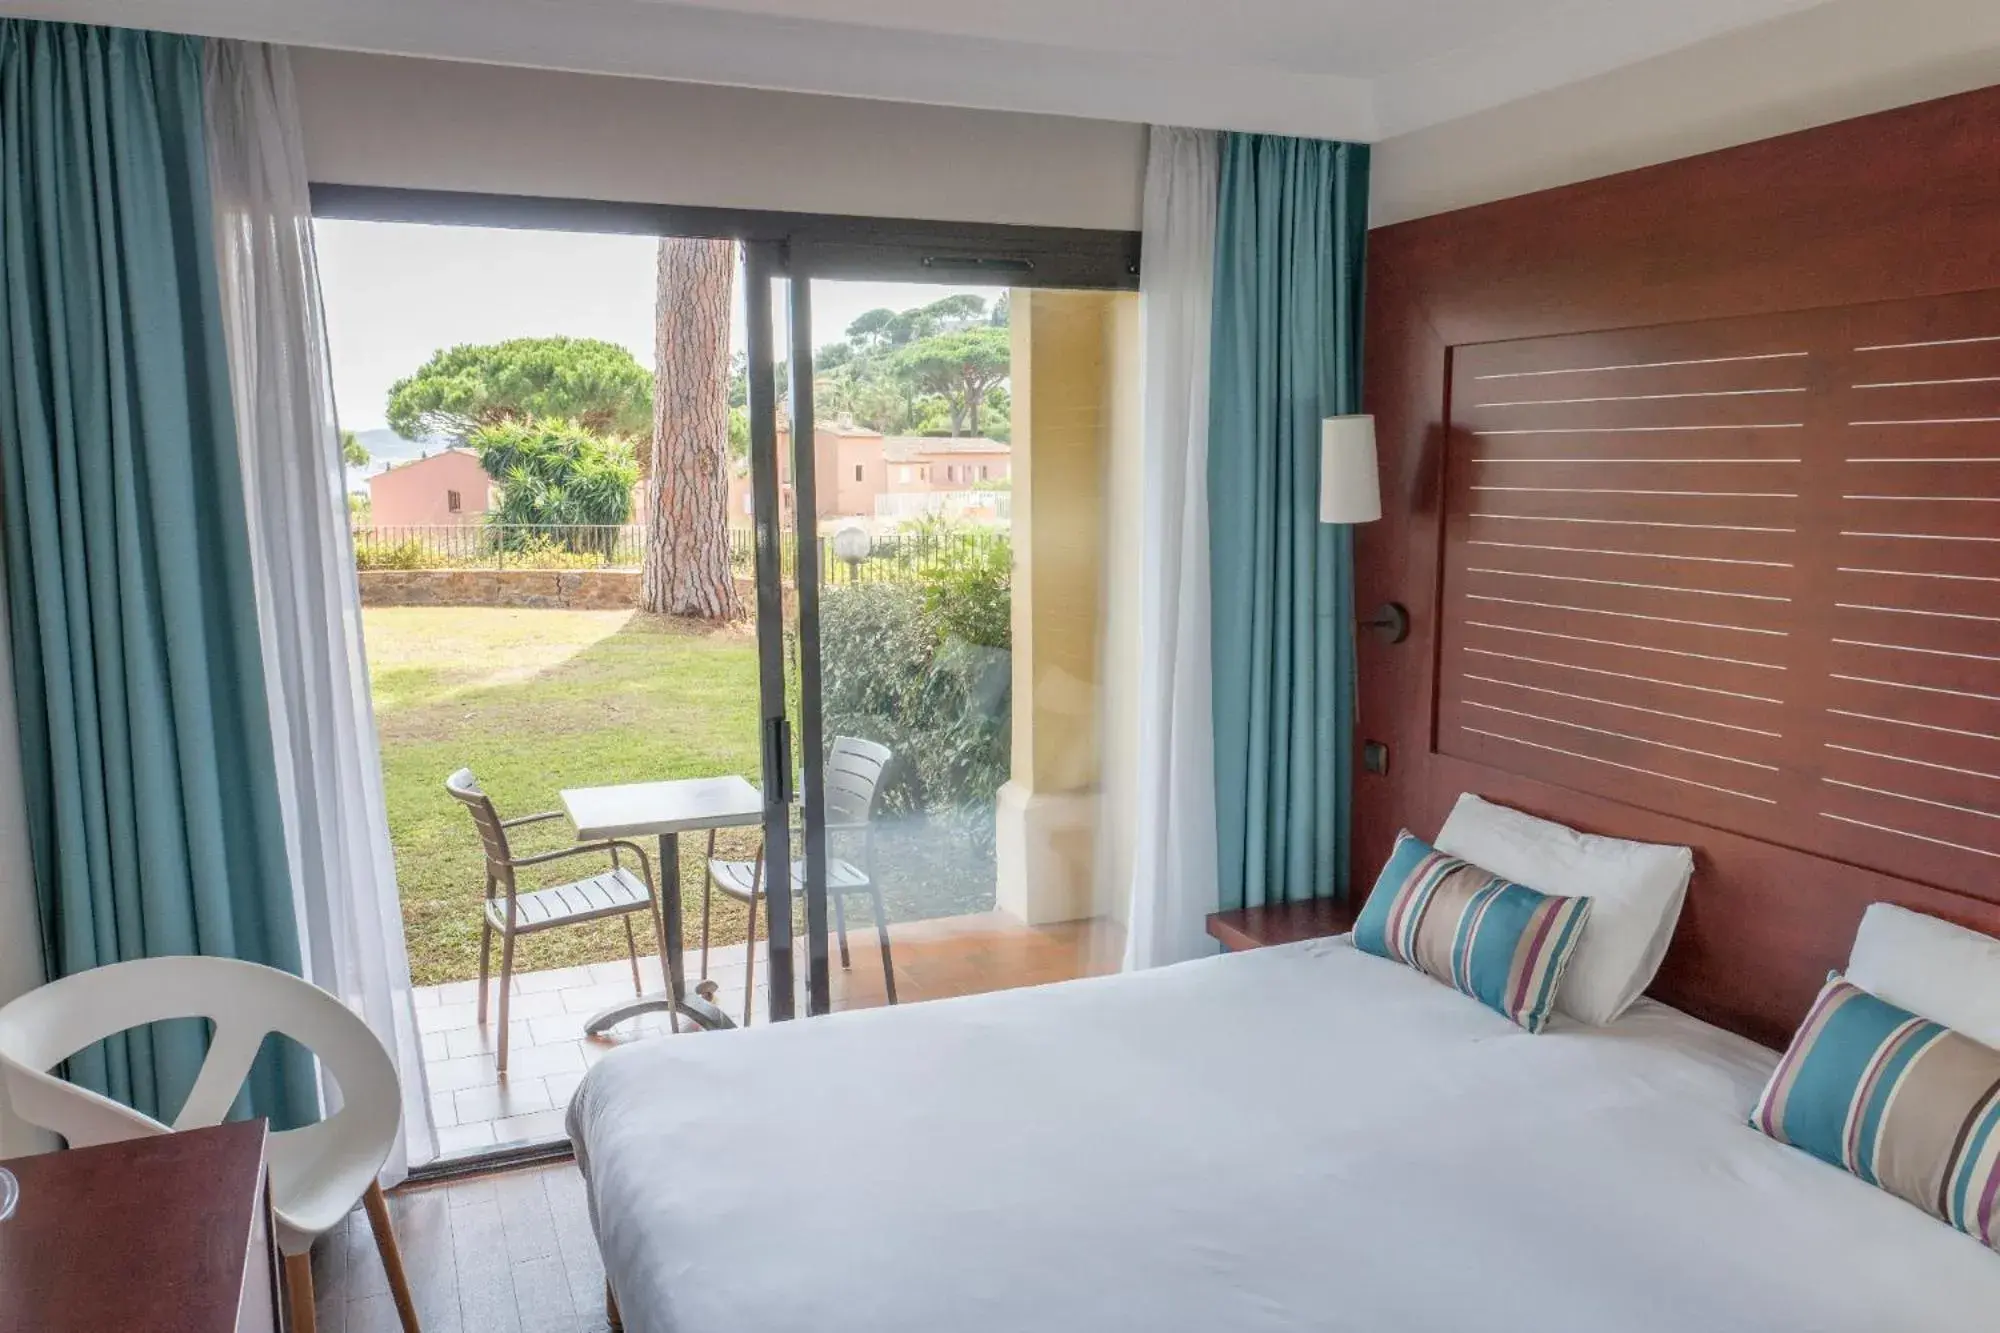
(800, 245)
(796, 775)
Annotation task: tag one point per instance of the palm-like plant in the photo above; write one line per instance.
(558, 481)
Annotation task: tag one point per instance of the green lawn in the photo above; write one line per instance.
(534, 701)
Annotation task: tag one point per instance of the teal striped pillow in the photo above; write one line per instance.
(1502, 943)
(1908, 1105)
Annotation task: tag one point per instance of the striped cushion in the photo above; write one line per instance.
(1503, 944)
(1906, 1104)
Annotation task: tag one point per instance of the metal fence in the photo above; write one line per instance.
(500, 546)
(885, 558)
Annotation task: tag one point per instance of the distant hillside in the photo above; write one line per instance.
(385, 448)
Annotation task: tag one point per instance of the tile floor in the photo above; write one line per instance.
(476, 1109)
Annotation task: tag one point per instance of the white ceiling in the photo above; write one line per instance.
(1353, 69)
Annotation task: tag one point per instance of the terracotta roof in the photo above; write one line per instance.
(909, 448)
(405, 464)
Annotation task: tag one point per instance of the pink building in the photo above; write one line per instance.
(855, 466)
(444, 488)
(928, 463)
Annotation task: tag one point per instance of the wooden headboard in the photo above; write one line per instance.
(1692, 489)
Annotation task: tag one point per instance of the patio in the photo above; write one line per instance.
(476, 1109)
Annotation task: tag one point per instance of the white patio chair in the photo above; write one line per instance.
(317, 1173)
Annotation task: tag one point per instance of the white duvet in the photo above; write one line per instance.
(1295, 1138)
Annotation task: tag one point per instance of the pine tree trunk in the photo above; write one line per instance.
(687, 491)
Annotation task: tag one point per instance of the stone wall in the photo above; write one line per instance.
(574, 589)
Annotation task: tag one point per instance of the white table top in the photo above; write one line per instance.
(640, 809)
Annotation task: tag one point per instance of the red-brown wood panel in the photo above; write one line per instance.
(1692, 486)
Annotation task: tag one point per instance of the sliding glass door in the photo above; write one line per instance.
(938, 467)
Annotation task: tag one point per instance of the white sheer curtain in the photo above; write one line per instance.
(1173, 863)
(308, 601)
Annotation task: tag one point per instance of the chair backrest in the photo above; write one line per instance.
(246, 1002)
(854, 769)
(492, 834)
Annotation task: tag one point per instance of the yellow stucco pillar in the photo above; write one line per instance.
(1069, 399)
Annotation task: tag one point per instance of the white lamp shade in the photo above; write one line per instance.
(1349, 488)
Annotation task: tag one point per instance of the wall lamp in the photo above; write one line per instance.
(1350, 491)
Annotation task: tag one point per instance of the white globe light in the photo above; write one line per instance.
(852, 544)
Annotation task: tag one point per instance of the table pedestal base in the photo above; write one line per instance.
(694, 1009)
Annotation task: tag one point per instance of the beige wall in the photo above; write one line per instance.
(1075, 411)
(1118, 654)
(445, 125)
(1059, 419)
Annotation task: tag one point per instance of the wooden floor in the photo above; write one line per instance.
(505, 1253)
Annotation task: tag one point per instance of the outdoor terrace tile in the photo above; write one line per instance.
(445, 1017)
(472, 1071)
(514, 1097)
(531, 1004)
(535, 1061)
(620, 973)
(465, 1138)
(556, 978)
(533, 1127)
(455, 992)
(461, 1042)
(589, 999)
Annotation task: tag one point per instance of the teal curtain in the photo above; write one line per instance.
(1291, 232)
(146, 747)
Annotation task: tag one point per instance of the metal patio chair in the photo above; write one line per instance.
(616, 892)
(854, 769)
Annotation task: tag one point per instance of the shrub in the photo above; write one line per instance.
(566, 549)
(391, 555)
(559, 476)
(893, 671)
(968, 589)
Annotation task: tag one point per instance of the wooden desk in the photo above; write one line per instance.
(162, 1235)
(1285, 923)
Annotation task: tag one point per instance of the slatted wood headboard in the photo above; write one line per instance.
(1699, 471)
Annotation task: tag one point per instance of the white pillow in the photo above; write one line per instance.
(1635, 891)
(1932, 968)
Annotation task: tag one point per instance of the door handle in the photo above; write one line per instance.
(778, 758)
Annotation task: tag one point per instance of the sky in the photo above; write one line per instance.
(397, 292)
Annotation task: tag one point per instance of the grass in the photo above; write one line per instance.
(534, 701)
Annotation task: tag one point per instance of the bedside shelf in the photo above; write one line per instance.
(1284, 923)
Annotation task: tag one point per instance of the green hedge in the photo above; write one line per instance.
(926, 669)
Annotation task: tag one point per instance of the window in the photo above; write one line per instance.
(982, 472)
(951, 472)
(857, 471)
(453, 502)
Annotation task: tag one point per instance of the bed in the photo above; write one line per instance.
(1303, 1137)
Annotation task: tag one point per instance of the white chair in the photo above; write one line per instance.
(317, 1173)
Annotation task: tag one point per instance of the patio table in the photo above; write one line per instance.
(664, 810)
